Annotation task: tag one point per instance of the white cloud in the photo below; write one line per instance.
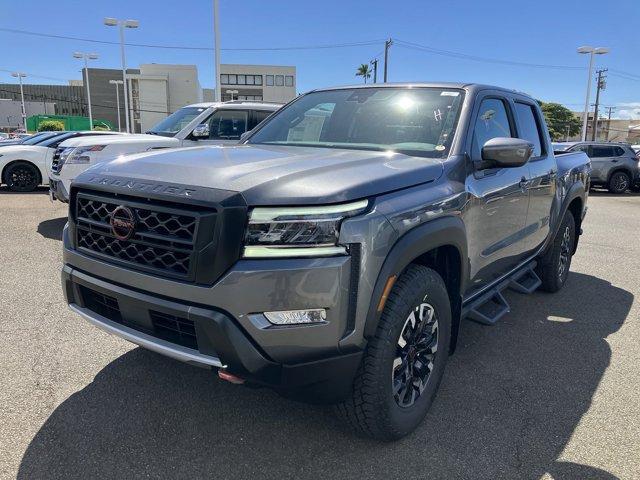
(627, 111)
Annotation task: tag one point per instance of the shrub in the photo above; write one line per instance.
(51, 126)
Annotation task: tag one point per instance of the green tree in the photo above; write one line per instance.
(560, 121)
(51, 126)
(364, 72)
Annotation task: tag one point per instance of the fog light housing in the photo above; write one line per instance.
(297, 317)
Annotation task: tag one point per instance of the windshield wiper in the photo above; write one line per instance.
(151, 132)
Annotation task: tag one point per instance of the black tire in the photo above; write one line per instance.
(553, 267)
(619, 182)
(22, 177)
(379, 407)
(635, 188)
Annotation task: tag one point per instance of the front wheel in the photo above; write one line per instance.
(619, 182)
(405, 360)
(22, 177)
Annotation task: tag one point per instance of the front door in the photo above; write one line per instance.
(496, 215)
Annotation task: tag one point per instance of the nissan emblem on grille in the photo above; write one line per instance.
(123, 223)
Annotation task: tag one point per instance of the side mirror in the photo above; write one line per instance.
(201, 131)
(506, 152)
(245, 135)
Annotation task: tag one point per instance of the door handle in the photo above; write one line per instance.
(615, 160)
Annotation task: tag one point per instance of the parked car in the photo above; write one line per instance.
(200, 124)
(331, 256)
(31, 140)
(25, 166)
(615, 165)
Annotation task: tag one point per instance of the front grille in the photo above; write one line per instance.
(164, 241)
(171, 328)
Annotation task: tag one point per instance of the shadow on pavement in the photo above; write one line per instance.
(52, 228)
(38, 191)
(510, 400)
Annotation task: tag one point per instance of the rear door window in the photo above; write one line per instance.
(602, 151)
(528, 127)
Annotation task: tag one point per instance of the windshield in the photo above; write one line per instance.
(38, 137)
(176, 121)
(414, 121)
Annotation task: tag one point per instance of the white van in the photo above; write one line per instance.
(198, 124)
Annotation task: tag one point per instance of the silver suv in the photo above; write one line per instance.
(615, 165)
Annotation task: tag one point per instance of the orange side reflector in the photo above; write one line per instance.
(385, 293)
(230, 377)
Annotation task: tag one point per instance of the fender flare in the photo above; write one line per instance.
(422, 239)
(622, 168)
(577, 190)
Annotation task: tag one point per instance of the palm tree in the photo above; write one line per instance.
(364, 72)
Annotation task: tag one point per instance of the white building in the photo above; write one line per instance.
(159, 90)
(270, 83)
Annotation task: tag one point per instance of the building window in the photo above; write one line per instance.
(233, 79)
(279, 80)
(258, 79)
(241, 79)
(224, 79)
(288, 81)
(250, 80)
(269, 80)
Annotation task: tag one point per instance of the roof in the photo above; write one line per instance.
(474, 87)
(239, 104)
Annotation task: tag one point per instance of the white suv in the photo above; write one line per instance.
(198, 124)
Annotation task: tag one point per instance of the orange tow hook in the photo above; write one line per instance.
(230, 377)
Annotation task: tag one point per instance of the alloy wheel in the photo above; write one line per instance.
(565, 252)
(22, 178)
(415, 355)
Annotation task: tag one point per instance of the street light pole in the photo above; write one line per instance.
(116, 83)
(20, 76)
(122, 24)
(216, 34)
(86, 57)
(387, 44)
(591, 51)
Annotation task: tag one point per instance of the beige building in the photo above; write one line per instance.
(614, 130)
(269, 83)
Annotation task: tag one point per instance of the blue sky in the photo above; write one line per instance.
(539, 32)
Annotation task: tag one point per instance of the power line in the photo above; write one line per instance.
(182, 47)
(464, 56)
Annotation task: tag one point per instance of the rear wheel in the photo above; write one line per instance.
(22, 177)
(553, 267)
(405, 360)
(619, 182)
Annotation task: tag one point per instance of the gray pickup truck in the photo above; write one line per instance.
(333, 254)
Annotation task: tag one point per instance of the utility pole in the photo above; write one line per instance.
(387, 44)
(374, 62)
(609, 112)
(216, 35)
(600, 85)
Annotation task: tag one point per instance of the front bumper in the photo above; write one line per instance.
(226, 317)
(58, 190)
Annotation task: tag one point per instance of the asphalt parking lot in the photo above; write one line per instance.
(553, 391)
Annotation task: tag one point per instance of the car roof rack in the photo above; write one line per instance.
(239, 102)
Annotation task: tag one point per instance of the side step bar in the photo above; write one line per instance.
(492, 306)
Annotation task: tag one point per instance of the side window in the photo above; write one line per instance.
(619, 151)
(260, 115)
(492, 122)
(227, 124)
(602, 151)
(581, 148)
(528, 127)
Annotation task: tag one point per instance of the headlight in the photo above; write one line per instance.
(76, 155)
(298, 231)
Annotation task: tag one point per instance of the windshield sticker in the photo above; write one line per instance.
(437, 115)
(440, 148)
(449, 94)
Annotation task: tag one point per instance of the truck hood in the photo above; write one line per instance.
(119, 139)
(276, 175)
